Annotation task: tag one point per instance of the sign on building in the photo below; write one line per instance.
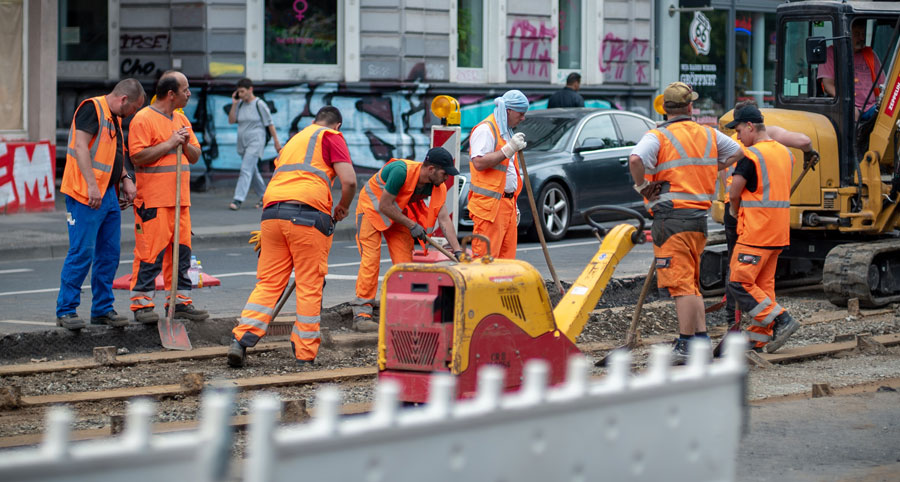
(699, 34)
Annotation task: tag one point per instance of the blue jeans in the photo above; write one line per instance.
(94, 243)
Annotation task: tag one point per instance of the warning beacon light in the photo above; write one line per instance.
(447, 109)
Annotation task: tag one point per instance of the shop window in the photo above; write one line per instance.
(799, 76)
(470, 28)
(754, 35)
(12, 94)
(570, 34)
(301, 32)
(704, 69)
(83, 30)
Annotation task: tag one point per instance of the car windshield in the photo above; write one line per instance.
(547, 133)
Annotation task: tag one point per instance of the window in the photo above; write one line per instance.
(301, 32)
(570, 34)
(83, 30)
(547, 133)
(12, 94)
(599, 128)
(754, 37)
(632, 128)
(470, 28)
(799, 77)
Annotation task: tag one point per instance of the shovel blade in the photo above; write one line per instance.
(173, 335)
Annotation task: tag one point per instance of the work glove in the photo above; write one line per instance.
(516, 143)
(417, 232)
(649, 190)
(254, 240)
(458, 255)
(810, 159)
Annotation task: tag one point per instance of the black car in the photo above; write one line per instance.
(576, 159)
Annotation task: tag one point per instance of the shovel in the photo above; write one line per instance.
(440, 248)
(172, 333)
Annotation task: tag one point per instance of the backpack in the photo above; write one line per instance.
(272, 110)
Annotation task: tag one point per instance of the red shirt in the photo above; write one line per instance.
(334, 149)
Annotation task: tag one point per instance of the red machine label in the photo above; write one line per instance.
(892, 102)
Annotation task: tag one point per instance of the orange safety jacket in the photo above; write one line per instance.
(487, 185)
(425, 211)
(301, 173)
(371, 195)
(687, 161)
(156, 181)
(102, 149)
(764, 218)
(869, 56)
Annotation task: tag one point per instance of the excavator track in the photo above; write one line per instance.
(867, 271)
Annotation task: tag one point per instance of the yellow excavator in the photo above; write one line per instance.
(454, 318)
(845, 218)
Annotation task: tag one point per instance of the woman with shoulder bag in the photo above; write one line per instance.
(253, 118)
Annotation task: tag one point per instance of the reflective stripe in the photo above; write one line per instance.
(103, 125)
(255, 323)
(766, 204)
(681, 196)
(155, 169)
(304, 167)
(773, 314)
(685, 161)
(259, 309)
(709, 142)
(307, 319)
(362, 301)
(766, 201)
(754, 336)
(100, 166)
(675, 143)
(760, 307)
(311, 146)
(485, 192)
(369, 192)
(306, 335)
(500, 167)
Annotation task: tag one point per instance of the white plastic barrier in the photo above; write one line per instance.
(665, 424)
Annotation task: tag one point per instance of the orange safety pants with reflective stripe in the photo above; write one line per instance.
(752, 283)
(502, 231)
(286, 247)
(678, 263)
(368, 240)
(154, 230)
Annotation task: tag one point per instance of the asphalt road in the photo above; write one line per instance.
(28, 289)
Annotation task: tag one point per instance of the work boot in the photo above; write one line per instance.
(112, 319)
(304, 363)
(186, 311)
(785, 326)
(363, 323)
(680, 351)
(236, 354)
(146, 316)
(70, 321)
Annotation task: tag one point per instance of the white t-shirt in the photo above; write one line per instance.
(648, 148)
(482, 142)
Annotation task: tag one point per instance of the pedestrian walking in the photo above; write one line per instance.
(760, 199)
(676, 166)
(153, 136)
(400, 203)
(568, 96)
(93, 176)
(253, 118)
(296, 234)
(496, 182)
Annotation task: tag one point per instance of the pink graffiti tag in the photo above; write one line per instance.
(300, 7)
(533, 44)
(620, 52)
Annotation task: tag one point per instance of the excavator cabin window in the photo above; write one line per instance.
(799, 80)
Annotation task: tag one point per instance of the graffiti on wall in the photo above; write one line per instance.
(27, 176)
(528, 50)
(144, 41)
(625, 61)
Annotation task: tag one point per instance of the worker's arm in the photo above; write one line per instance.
(649, 190)
(151, 154)
(387, 205)
(85, 165)
(828, 85)
(797, 140)
(488, 160)
(482, 137)
(191, 151)
(737, 187)
(447, 227)
(737, 156)
(347, 175)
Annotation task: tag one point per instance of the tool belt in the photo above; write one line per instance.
(301, 215)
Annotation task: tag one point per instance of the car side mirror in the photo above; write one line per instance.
(591, 144)
(816, 50)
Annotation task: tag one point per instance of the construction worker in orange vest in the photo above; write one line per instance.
(95, 162)
(676, 165)
(496, 182)
(760, 199)
(401, 189)
(153, 136)
(296, 234)
(797, 140)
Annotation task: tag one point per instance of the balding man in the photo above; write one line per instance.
(153, 136)
(94, 172)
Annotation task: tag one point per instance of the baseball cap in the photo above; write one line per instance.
(442, 159)
(679, 94)
(747, 113)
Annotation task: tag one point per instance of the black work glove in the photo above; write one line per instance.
(417, 232)
(810, 158)
(458, 255)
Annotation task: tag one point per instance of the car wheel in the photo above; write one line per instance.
(556, 211)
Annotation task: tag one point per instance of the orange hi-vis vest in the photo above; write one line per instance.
(869, 56)
(156, 181)
(371, 196)
(765, 215)
(102, 149)
(301, 173)
(487, 185)
(687, 161)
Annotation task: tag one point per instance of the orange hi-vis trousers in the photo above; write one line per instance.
(677, 245)
(286, 247)
(752, 283)
(154, 230)
(502, 231)
(368, 240)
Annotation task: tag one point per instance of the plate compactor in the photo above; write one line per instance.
(456, 318)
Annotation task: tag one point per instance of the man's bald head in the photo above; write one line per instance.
(169, 81)
(131, 89)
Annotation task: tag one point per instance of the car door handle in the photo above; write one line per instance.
(622, 160)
